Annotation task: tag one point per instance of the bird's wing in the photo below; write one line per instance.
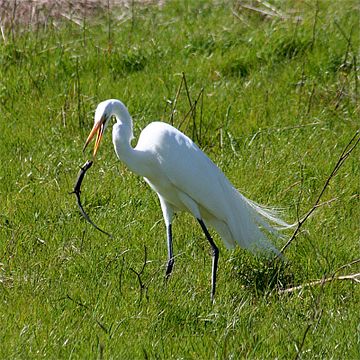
(191, 171)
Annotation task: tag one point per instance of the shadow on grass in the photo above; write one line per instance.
(262, 276)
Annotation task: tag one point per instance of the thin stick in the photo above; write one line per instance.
(174, 103)
(347, 265)
(272, 8)
(13, 22)
(260, 11)
(82, 305)
(201, 116)
(3, 34)
(109, 26)
(344, 155)
(192, 109)
(350, 46)
(316, 314)
(84, 24)
(310, 99)
(139, 274)
(195, 131)
(75, 21)
(240, 17)
(187, 89)
(348, 39)
(78, 94)
(352, 277)
(314, 25)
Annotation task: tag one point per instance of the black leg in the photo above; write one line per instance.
(170, 263)
(215, 258)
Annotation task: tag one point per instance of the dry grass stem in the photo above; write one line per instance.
(344, 155)
(352, 277)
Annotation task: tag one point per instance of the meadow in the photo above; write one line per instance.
(270, 92)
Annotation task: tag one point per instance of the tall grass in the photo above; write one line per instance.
(277, 101)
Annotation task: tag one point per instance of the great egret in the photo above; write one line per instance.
(185, 179)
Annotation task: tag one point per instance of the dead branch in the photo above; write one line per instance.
(173, 103)
(264, 9)
(353, 262)
(271, 7)
(344, 155)
(262, 12)
(87, 308)
(352, 277)
(3, 34)
(240, 17)
(142, 285)
(349, 47)
(187, 89)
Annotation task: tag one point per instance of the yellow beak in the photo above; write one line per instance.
(99, 129)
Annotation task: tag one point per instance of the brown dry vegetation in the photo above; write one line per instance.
(43, 12)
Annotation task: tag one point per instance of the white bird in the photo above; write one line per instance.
(185, 179)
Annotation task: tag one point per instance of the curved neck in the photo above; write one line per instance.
(123, 118)
(122, 135)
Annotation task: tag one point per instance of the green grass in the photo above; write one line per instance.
(280, 102)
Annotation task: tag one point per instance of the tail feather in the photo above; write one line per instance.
(251, 222)
(268, 213)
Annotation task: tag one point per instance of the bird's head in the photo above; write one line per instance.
(103, 114)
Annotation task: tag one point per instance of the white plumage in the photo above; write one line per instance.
(185, 179)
